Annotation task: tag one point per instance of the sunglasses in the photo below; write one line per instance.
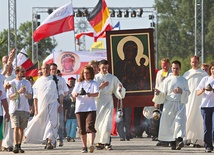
(22, 71)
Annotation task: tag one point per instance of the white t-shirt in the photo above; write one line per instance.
(23, 101)
(208, 96)
(9, 78)
(83, 102)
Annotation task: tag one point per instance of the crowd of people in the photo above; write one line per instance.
(60, 109)
(187, 102)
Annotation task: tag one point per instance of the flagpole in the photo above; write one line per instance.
(75, 46)
(53, 50)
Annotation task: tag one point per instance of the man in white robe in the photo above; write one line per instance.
(173, 94)
(44, 125)
(7, 143)
(61, 86)
(194, 131)
(108, 85)
(160, 77)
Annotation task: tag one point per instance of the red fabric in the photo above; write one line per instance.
(103, 33)
(114, 125)
(56, 27)
(132, 121)
(101, 14)
(32, 71)
(79, 35)
(49, 61)
(28, 63)
(71, 78)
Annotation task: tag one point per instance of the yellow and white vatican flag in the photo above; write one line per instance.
(97, 45)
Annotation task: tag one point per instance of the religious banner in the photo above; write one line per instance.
(131, 57)
(71, 63)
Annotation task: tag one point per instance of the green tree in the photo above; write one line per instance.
(176, 38)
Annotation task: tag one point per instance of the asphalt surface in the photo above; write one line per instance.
(135, 146)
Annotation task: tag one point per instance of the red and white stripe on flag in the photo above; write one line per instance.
(90, 34)
(59, 21)
(20, 58)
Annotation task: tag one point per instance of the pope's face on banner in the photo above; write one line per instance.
(68, 62)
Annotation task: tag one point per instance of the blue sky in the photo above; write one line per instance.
(66, 40)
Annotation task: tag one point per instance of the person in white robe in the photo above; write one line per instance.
(44, 125)
(5, 115)
(61, 86)
(194, 131)
(173, 93)
(160, 77)
(6, 76)
(7, 143)
(108, 85)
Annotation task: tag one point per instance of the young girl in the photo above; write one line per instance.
(85, 91)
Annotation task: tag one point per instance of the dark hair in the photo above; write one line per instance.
(211, 65)
(177, 63)
(29, 78)
(53, 64)
(104, 62)
(91, 71)
(19, 68)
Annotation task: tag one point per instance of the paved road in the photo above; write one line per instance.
(136, 146)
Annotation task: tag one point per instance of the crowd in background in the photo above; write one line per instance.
(85, 105)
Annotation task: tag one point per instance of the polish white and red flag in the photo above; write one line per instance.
(59, 21)
(22, 59)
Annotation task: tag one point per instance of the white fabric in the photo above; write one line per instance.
(194, 131)
(22, 100)
(8, 135)
(104, 103)
(59, 14)
(160, 78)
(9, 78)
(62, 84)
(8, 131)
(173, 119)
(3, 96)
(2, 78)
(20, 58)
(45, 124)
(83, 102)
(207, 96)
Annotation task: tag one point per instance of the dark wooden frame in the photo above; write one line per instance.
(115, 41)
